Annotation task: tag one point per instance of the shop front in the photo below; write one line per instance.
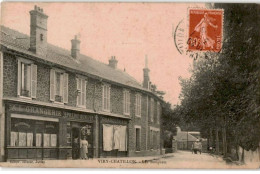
(113, 141)
(42, 133)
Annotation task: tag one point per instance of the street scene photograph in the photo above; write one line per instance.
(130, 85)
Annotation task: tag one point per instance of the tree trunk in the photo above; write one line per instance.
(211, 138)
(224, 139)
(217, 142)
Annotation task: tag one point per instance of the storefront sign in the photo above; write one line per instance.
(34, 110)
(22, 124)
(50, 112)
(75, 116)
(113, 120)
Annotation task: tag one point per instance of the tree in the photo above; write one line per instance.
(223, 91)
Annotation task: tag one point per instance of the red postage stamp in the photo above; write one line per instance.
(205, 30)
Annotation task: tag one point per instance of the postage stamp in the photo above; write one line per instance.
(205, 30)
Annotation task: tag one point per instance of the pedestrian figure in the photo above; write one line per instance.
(196, 146)
(84, 148)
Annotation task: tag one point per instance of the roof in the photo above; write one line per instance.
(182, 136)
(20, 42)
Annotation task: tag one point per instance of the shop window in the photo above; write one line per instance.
(138, 102)
(138, 139)
(29, 133)
(114, 137)
(126, 102)
(38, 139)
(69, 134)
(58, 86)
(106, 97)
(50, 135)
(81, 89)
(27, 79)
(22, 133)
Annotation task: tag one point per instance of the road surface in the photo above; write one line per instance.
(185, 159)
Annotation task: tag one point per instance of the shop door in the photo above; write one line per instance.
(75, 143)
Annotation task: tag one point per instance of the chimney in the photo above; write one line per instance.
(113, 62)
(38, 31)
(75, 49)
(146, 82)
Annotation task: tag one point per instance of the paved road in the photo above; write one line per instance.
(185, 159)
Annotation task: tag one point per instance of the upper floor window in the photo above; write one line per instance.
(152, 110)
(106, 97)
(138, 102)
(126, 102)
(81, 88)
(158, 112)
(58, 86)
(27, 78)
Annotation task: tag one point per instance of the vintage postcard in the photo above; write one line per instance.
(129, 85)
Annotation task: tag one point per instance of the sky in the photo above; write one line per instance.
(128, 31)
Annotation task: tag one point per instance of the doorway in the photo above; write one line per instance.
(80, 131)
(75, 143)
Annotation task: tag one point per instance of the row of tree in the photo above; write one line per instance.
(222, 96)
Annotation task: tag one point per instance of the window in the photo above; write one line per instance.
(138, 138)
(27, 79)
(81, 88)
(126, 102)
(154, 138)
(152, 110)
(151, 139)
(106, 98)
(138, 102)
(58, 86)
(30, 133)
(158, 112)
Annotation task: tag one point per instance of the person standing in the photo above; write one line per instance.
(197, 146)
(84, 148)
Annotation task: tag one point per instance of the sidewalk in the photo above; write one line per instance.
(148, 158)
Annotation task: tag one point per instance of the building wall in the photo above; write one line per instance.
(43, 83)
(10, 76)
(93, 99)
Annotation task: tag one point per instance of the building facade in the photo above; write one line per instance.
(52, 98)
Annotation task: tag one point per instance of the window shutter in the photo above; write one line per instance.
(78, 89)
(140, 105)
(84, 93)
(103, 97)
(124, 102)
(65, 87)
(108, 103)
(19, 78)
(52, 85)
(136, 104)
(33, 80)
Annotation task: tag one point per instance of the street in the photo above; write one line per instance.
(185, 159)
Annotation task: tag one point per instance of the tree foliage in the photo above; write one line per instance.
(223, 90)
